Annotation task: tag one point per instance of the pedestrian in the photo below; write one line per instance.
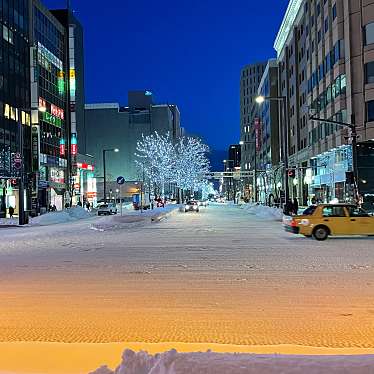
(295, 206)
(152, 204)
(79, 203)
(50, 208)
(314, 201)
(88, 205)
(288, 208)
(11, 211)
(54, 208)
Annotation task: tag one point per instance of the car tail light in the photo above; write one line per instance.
(293, 223)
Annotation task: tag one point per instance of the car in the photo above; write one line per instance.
(203, 203)
(107, 209)
(322, 221)
(191, 206)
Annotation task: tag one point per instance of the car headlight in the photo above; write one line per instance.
(187, 207)
(195, 207)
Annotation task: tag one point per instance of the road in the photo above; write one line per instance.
(220, 276)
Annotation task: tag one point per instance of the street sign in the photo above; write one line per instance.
(120, 180)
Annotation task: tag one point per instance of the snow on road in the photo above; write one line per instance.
(172, 362)
(221, 276)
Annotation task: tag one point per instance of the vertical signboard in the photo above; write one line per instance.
(258, 134)
(35, 147)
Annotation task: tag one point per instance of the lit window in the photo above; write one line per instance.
(7, 111)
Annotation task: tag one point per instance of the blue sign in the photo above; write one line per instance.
(120, 180)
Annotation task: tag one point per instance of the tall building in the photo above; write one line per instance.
(113, 126)
(232, 164)
(81, 165)
(14, 101)
(326, 66)
(50, 127)
(266, 135)
(250, 78)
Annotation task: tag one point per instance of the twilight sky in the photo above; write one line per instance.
(187, 52)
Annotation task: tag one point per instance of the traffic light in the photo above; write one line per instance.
(292, 173)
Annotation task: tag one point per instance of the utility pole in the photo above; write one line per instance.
(21, 189)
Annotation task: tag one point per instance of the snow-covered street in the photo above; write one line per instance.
(221, 276)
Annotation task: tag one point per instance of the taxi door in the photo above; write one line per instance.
(361, 222)
(337, 220)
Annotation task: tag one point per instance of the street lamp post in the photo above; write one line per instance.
(104, 167)
(283, 99)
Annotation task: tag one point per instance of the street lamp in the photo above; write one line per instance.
(285, 129)
(116, 150)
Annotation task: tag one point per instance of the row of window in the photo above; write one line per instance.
(331, 59)
(337, 88)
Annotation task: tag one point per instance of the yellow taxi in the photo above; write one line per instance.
(321, 221)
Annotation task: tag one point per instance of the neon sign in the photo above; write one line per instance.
(57, 112)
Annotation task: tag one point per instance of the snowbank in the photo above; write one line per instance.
(264, 212)
(133, 217)
(68, 215)
(173, 362)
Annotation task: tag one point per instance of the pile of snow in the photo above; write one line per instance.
(173, 362)
(134, 217)
(68, 215)
(264, 212)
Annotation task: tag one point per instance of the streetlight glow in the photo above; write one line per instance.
(260, 99)
(116, 150)
(241, 142)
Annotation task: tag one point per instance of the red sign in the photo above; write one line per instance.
(57, 112)
(91, 195)
(42, 104)
(62, 149)
(74, 149)
(85, 166)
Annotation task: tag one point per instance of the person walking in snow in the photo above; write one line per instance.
(295, 206)
(11, 211)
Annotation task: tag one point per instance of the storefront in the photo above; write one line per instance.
(84, 184)
(328, 180)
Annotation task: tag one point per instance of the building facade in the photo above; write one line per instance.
(111, 126)
(232, 164)
(250, 78)
(82, 183)
(50, 127)
(15, 123)
(267, 140)
(325, 51)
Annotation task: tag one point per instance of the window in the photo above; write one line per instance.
(334, 11)
(370, 110)
(369, 72)
(369, 33)
(333, 211)
(357, 212)
(326, 24)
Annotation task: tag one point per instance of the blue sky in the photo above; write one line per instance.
(186, 52)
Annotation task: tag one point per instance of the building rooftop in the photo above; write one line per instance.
(286, 26)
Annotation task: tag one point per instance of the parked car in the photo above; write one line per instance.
(203, 203)
(107, 209)
(327, 220)
(191, 206)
